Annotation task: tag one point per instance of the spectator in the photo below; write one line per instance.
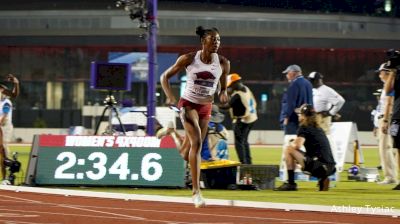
(13, 93)
(327, 103)
(391, 117)
(317, 160)
(299, 92)
(243, 110)
(384, 141)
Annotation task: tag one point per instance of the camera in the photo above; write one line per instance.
(110, 100)
(13, 167)
(394, 58)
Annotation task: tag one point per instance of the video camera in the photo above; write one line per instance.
(394, 58)
(13, 167)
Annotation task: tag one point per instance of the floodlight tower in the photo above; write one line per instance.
(146, 12)
(152, 50)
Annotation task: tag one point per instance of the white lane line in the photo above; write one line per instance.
(21, 199)
(13, 215)
(22, 222)
(101, 212)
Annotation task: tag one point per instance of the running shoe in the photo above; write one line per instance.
(198, 200)
(388, 181)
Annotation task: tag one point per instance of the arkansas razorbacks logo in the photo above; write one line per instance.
(205, 75)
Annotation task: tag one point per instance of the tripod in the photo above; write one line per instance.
(110, 106)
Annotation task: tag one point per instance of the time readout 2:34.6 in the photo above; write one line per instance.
(150, 169)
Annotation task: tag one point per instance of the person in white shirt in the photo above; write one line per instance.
(327, 104)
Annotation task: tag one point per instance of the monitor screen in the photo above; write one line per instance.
(110, 76)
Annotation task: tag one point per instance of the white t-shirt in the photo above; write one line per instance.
(202, 80)
(327, 99)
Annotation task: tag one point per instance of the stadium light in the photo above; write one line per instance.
(388, 5)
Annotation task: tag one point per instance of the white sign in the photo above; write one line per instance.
(344, 134)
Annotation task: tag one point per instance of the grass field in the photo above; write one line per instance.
(347, 193)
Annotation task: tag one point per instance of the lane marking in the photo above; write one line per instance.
(22, 222)
(101, 212)
(17, 215)
(21, 199)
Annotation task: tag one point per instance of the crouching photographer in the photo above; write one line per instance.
(317, 160)
(391, 116)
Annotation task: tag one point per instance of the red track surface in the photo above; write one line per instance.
(35, 208)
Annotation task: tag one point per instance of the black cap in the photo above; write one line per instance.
(315, 75)
(306, 109)
(383, 67)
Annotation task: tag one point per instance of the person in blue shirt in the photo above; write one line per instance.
(215, 145)
(299, 92)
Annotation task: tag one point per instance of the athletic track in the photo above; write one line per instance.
(30, 205)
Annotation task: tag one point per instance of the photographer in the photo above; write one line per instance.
(243, 110)
(317, 160)
(13, 93)
(391, 125)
